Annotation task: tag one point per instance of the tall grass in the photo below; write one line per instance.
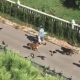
(15, 67)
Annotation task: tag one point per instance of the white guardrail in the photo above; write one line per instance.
(43, 13)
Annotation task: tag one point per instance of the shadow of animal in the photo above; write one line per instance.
(25, 57)
(52, 52)
(60, 51)
(3, 43)
(69, 78)
(42, 57)
(26, 47)
(78, 65)
(1, 28)
(32, 38)
(60, 73)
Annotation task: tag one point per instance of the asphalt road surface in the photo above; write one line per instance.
(17, 40)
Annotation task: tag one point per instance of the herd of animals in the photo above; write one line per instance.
(66, 51)
(35, 46)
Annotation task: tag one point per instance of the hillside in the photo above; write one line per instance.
(54, 7)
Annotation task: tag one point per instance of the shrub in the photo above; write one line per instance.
(15, 67)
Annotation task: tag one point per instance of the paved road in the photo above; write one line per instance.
(16, 39)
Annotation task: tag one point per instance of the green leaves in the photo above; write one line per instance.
(4, 74)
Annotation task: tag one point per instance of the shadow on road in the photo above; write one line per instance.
(42, 57)
(26, 47)
(31, 38)
(1, 28)
(78, 65)
(60, 51)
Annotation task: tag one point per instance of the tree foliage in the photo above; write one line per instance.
(72, 3)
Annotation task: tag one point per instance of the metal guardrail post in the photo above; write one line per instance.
(73, 22)
(18, 3)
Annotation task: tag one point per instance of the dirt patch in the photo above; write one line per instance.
(28, 29)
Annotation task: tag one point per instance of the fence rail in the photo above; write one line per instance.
(53, 25)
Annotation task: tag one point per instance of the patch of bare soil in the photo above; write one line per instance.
(28, 29)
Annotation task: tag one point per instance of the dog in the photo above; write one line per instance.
(33, 46)
(67, 51)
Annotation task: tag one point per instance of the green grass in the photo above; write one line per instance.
(54, 7)
(12, 19)
(15, 67)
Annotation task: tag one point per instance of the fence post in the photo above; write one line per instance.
(18, 3)
(73, 23)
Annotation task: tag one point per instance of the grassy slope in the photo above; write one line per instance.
(53, 7)
(14, 67)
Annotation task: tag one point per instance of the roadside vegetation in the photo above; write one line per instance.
(15, 67)
(62, 8)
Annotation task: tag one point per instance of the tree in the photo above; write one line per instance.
(71, 3)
